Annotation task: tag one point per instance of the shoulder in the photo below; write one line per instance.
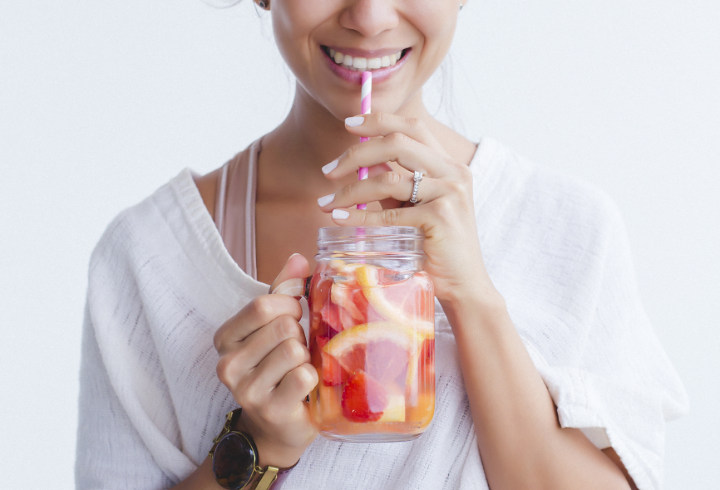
(537, 196)
(147, 226)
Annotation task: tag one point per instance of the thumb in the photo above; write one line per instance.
(291, 278)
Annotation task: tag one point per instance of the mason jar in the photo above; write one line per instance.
(372, 335)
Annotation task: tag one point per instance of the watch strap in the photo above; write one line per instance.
(262, 478)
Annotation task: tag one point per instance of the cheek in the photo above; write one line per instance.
(293, 27)
(435, 19)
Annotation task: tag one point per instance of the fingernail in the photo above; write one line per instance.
(325, 200)
(354, 121)
(330, 167)
(340, 214)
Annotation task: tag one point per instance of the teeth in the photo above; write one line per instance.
(359, 63)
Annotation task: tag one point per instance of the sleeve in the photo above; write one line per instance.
(622, 388)
(127, 430)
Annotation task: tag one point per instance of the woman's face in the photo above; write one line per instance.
(401, 41)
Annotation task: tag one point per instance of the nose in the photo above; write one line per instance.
(369, 17)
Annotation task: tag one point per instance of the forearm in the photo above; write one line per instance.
(519, 437)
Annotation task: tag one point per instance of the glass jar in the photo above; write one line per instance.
(372, 335)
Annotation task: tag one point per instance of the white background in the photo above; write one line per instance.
(102, 102)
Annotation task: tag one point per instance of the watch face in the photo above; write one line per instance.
(233, 461)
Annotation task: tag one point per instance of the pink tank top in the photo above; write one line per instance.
(235, 207)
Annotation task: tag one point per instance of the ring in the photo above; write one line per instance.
(417, 177)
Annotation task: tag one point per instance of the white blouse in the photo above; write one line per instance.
(161, 282)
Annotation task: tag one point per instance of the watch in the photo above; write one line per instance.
(235, 459)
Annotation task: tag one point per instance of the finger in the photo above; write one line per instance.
(395, 185)
(405, 216)
(259, 312)
(296, 384)
(384, 124)
(258, 345)
(396, 147)
(285, 357)
(295, 270)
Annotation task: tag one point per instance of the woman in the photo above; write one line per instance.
(548, 375)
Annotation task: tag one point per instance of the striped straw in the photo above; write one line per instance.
(365, 97)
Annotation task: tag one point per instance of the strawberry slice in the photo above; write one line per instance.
(364, 399)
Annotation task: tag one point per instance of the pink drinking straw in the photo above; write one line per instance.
(365, 97)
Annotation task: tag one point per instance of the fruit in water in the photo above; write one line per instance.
(404, 302)
(364, 399)
(383, 349)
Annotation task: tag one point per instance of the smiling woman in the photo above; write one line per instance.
(548, 372)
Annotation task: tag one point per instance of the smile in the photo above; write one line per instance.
(359, 63)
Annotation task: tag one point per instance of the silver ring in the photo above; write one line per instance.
(417, 177)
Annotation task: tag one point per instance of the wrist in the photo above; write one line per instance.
(270, 452)
(474, 306)
(236, 460)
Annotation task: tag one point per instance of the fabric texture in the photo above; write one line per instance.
(161, 282)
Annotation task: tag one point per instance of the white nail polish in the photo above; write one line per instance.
(340, 214)
(354, 121)
(330, 167)
(325, 200)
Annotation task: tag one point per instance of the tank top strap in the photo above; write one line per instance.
(235, 207)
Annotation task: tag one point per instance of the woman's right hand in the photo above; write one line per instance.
(265, 363)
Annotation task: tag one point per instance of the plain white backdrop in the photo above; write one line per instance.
(102, 102)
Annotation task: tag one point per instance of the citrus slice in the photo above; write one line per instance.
(407, 302)
(395, 408)
(387, 351)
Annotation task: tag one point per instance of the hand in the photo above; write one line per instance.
(444, 212)
(264, 362)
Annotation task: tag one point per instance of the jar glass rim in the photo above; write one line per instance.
(332, 233)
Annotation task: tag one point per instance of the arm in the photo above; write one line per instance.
(519, 436)
(264, 362)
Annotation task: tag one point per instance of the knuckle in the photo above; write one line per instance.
(307, 376)
(285, 328)
(294, 351)
(443, 206)
(414, 123)
(350, 153)
(222, 370)
(262, 307)
(390, 216)
(457, 187)
(398, 139)
(391, 178)
(217, 339)
(465, 173)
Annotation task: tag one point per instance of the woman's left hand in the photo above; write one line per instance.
(444, 211)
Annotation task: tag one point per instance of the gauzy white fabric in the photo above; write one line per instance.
(161, 282)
